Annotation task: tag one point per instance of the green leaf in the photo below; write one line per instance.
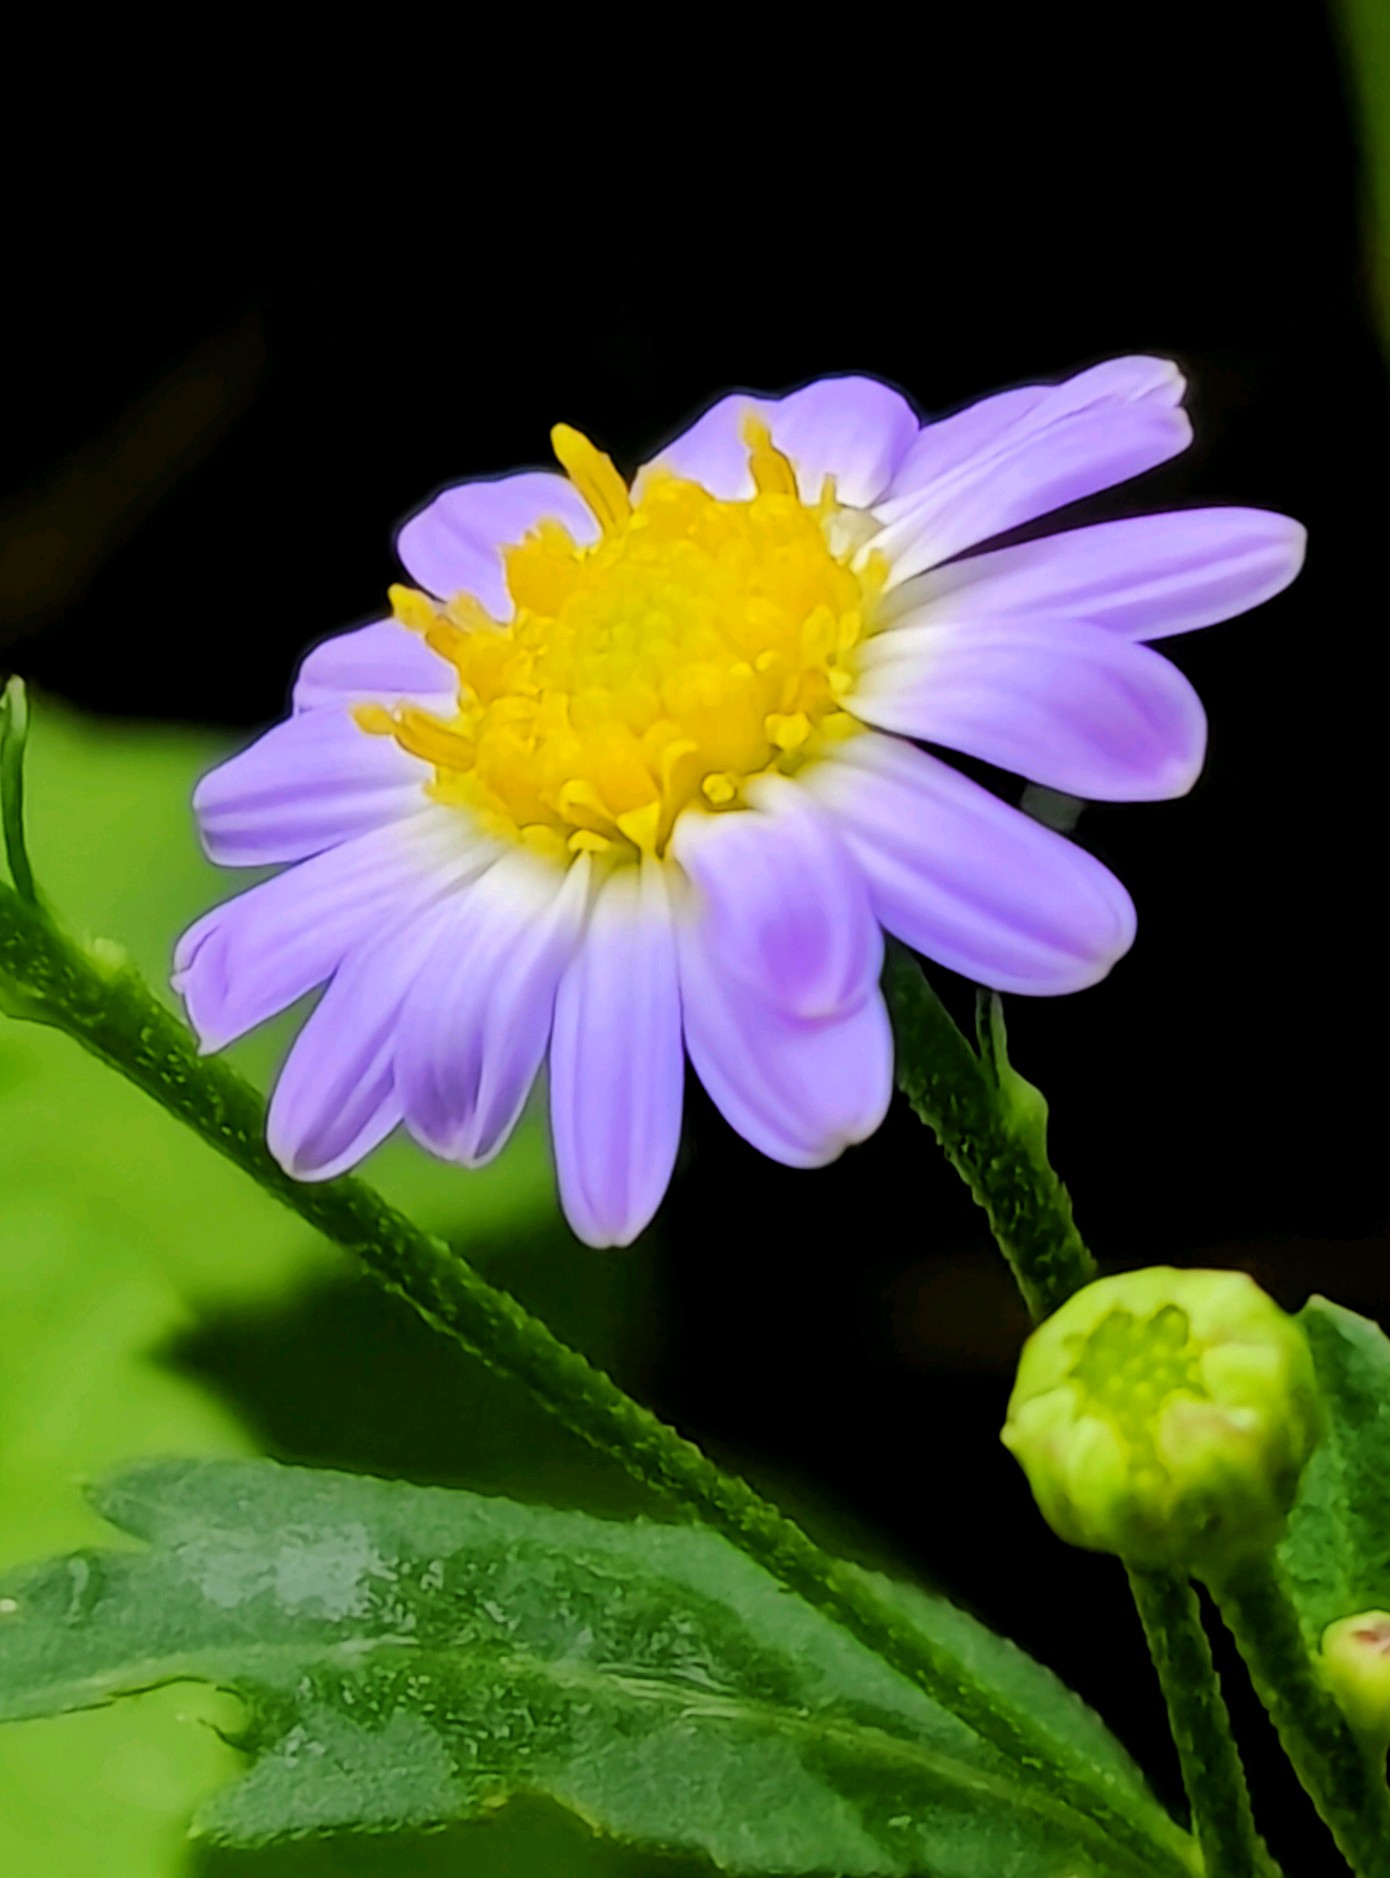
(1000, 1664)
(1337, 1549)
(1021, 1101)
(411, 1656)
(527, 1839)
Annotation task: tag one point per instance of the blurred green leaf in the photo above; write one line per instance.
(80, 1310)
(346, 1375)
(526, 1838)
(1337, 1549)
(98, 1194)
(1365, 28)
(410, 1656)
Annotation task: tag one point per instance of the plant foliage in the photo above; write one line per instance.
(409, 1656)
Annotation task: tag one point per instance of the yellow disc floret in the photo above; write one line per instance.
(695, 645)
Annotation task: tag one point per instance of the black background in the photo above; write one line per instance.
(249, 334)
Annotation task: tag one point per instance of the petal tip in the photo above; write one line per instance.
(291, 1159)
(1172, 378)
(1295, 541)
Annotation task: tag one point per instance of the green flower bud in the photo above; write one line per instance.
(1356, 1668)
(1166, 1416)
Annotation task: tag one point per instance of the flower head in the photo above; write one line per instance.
(632, 773)
(1166, 1416)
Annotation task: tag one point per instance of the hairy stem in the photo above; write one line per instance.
(1215, 1781)
(992, 1126)
(97, 999)
(999, 1154)
(1345, 1785)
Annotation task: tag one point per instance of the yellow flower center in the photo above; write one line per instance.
(695, 645)
(1129, 1367)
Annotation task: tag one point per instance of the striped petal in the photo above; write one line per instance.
(616, 1068)
(1144, 578)
(336, 1098)
(779, 964)
(384, 663)
(800, 1090)
(1073, 707)
(259, 952)
(854, 429)
(968, 881)
(781, 904)
(1009, 460)
(307, 784)
(475, 1026)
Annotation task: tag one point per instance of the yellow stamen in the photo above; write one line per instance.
(412, 608)
(788, 730)
(469, 615)
(443, 637)
(640, 826)
(696, 644)
(720, 788)
(773, 474)
(593, 475)
(425, 736)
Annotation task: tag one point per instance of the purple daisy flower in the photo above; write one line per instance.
(636, 773)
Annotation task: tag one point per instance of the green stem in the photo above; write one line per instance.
(999, 1154)
(100, 1001)
(1345, 1784)
(14, 731)
(1211, 1769)
(992, 1125)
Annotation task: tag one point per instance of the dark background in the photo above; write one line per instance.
(244, 345)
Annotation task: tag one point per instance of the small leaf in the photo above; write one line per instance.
(992, 1126)
(14, 733)
(1337, 1549)
(411, 1656)
(1021, 1101)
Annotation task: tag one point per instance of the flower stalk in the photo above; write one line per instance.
(1211, 1767)
(1345, 1784)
